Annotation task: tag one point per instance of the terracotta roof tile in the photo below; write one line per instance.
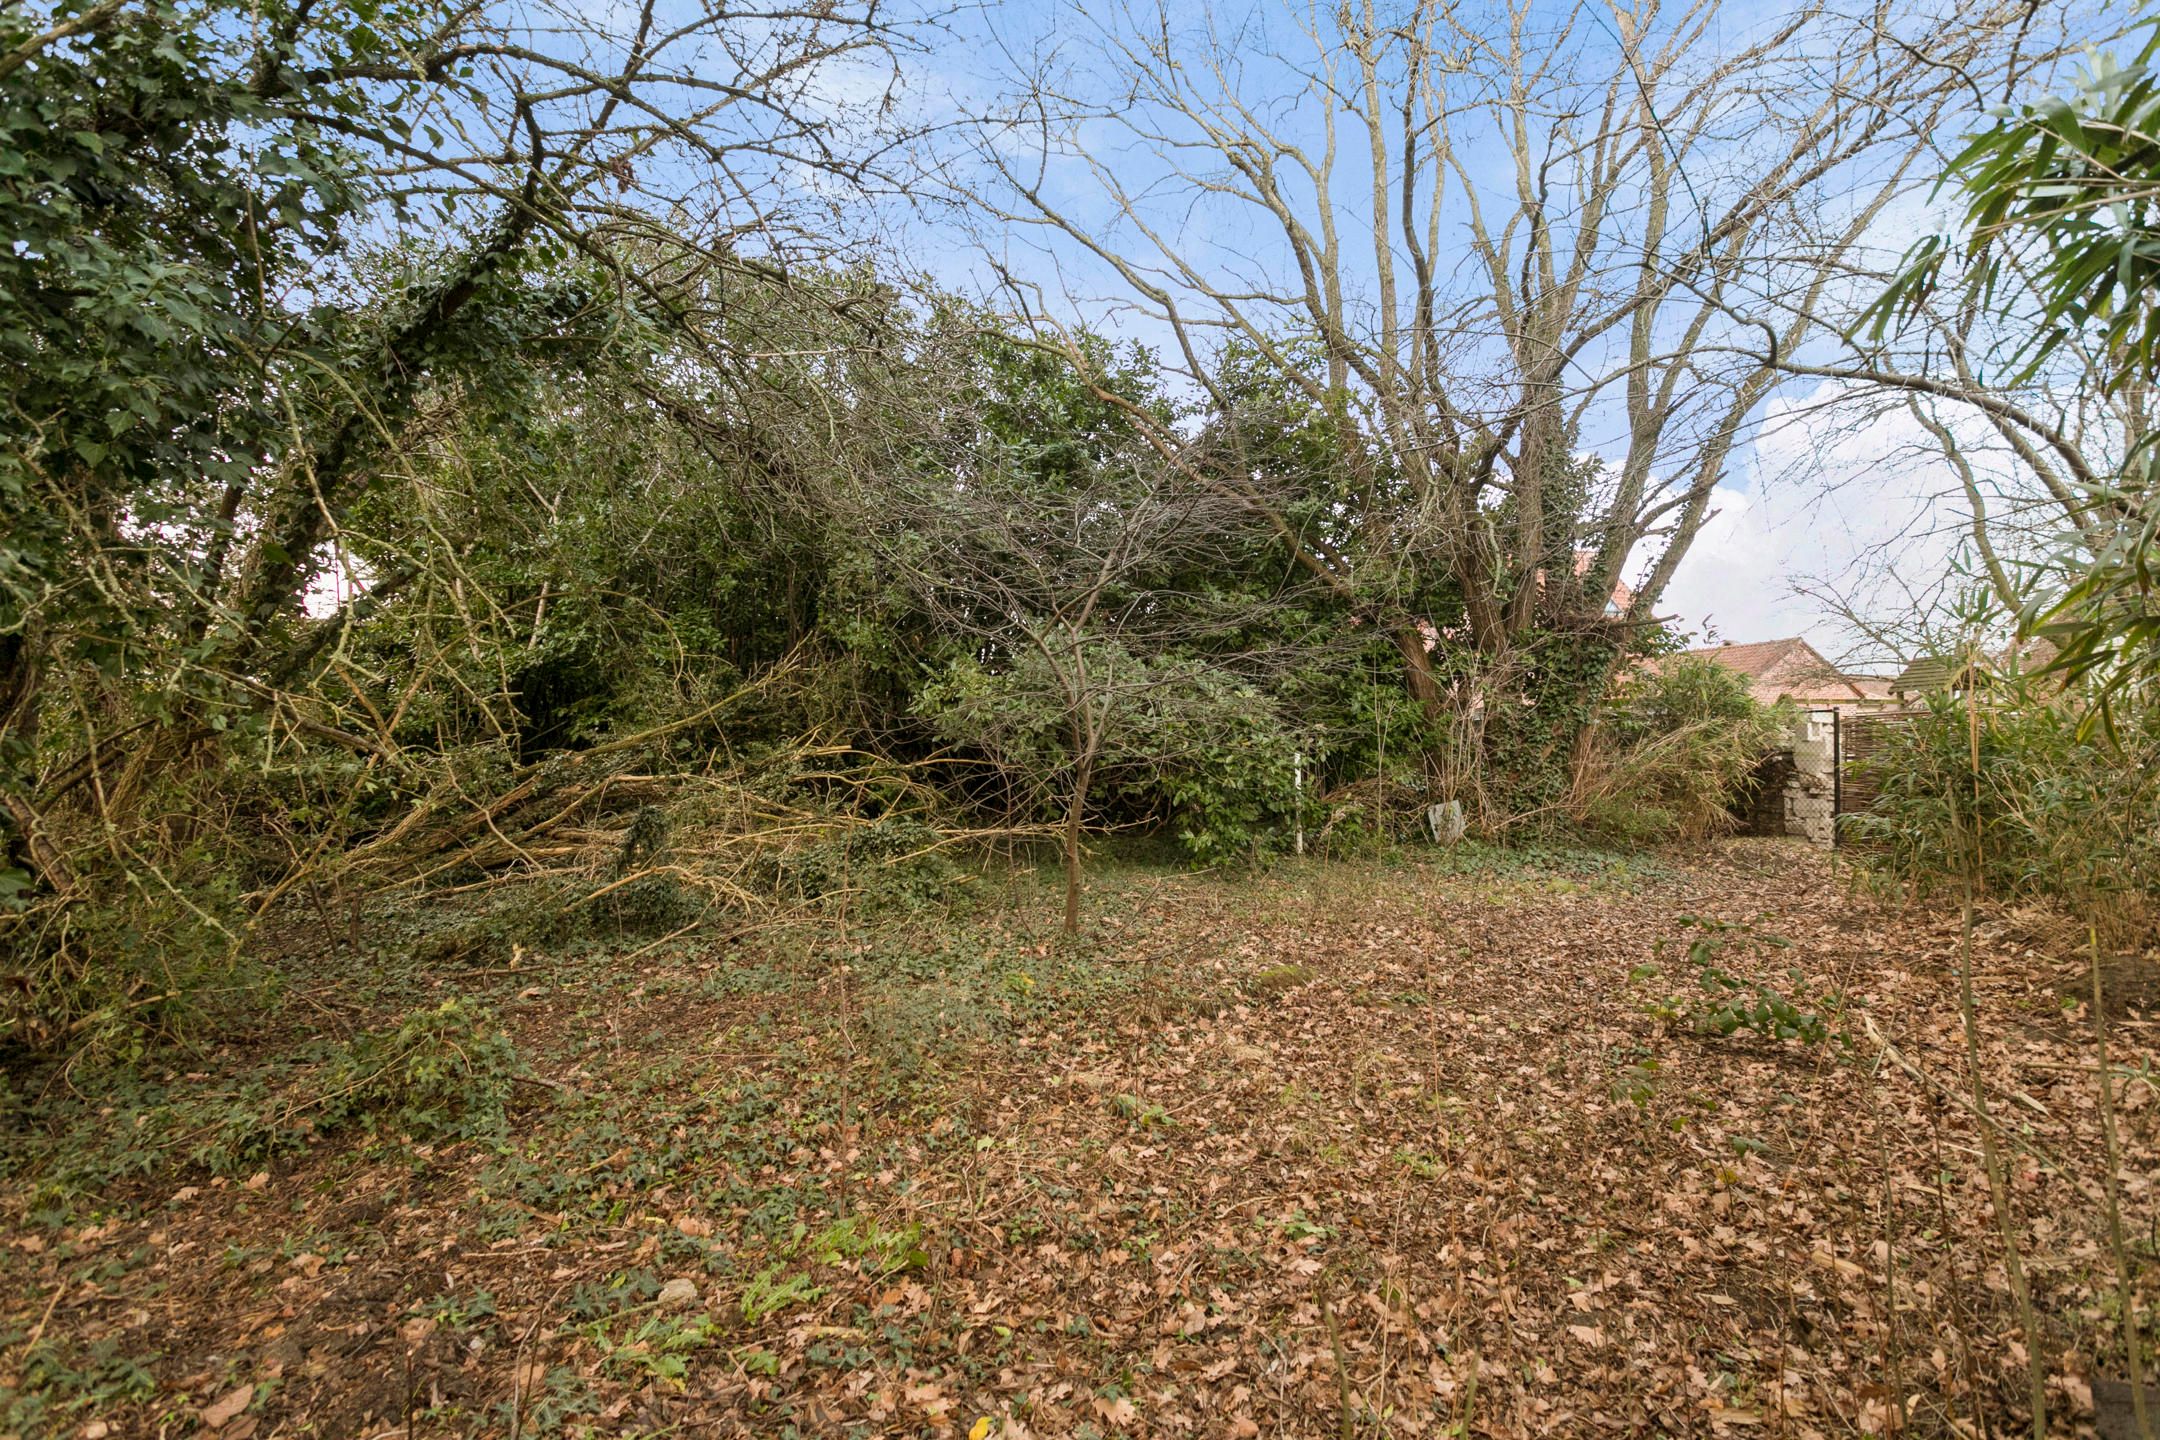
(1789, 669)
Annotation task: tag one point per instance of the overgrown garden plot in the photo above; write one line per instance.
(1509, 1144)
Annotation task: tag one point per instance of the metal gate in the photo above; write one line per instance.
(1824, 774)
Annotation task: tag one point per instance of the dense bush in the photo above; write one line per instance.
(897, 860)
(439, 1073)
(1672, 751)
(1215, 761)
(2053, 810)
(1188, 749)
(107, 975)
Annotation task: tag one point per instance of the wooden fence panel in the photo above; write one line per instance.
(1863, 735)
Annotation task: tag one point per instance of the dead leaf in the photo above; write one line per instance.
(1119, 1411)
(216, 1416)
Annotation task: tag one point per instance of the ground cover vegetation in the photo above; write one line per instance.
(1492, 1142)
(546, 674)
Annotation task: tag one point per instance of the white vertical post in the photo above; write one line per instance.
(1297, 770)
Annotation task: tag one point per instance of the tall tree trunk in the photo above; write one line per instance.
(1424, 688)
(317, 488)
(1417, 668)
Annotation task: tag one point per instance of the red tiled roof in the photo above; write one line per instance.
(1791, 669)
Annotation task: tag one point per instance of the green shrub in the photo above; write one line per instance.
(1187, 748)
(645, 905)
(2052, 811)
(1213, 754)
(440, 1074)
(897, 861)
(1673, 750)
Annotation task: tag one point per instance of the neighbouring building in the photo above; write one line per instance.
(1954, 675)
(1791, 669)
(1797, 788)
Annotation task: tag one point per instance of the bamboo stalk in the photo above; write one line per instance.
(2133, 1344)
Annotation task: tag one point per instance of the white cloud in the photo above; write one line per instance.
(1844, 499)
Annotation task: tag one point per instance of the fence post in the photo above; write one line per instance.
(1297, 768)
(1837, 772)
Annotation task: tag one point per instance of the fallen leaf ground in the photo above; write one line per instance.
(1346, 1149)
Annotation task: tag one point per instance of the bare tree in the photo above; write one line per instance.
(1488, 239)
(2020, 453)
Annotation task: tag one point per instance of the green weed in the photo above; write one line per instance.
(51, 1383)
(1728, 1003)
(773, 1289)
(1143, 1114)
(656, 1348)
(861, 1239)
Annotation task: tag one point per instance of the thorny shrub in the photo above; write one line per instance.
(103, 975)
(168, 847)
(443, 1073)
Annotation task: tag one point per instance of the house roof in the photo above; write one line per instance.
(1946, 672)
(1929, 672)
(1792, 669)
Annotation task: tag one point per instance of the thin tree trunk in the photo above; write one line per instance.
(1418, 679)
(1075, 810)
